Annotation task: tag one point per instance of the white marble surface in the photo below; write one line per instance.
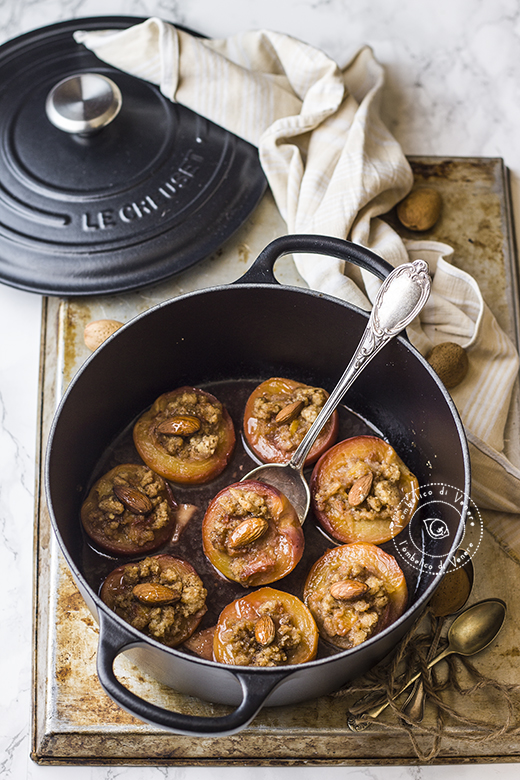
(453, 88)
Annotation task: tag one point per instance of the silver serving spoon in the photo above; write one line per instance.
(401, 297)
(472, 631)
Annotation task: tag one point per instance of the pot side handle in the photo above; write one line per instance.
(261, 272)
(113, 640)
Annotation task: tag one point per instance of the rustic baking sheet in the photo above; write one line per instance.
(74, 722)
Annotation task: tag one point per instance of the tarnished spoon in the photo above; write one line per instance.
(449, 598)
(401, 297)
(472, 631)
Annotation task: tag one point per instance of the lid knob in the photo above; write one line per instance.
(83, 103)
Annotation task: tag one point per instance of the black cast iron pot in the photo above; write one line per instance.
(224, 338)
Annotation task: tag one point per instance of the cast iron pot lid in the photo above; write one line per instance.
(105, 184)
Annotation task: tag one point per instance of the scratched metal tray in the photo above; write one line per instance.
(74, 722)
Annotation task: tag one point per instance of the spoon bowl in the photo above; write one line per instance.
(400, 298)
(471, 631)
(474, 629)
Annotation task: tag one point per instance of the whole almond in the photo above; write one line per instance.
(265, 630)
(289, 413)
(360, 489)
(181, 425)
(97, 331)
(134, 500)
(154, 593)
(344, 590)
(248, 531)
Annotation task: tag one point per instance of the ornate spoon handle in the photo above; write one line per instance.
(400, 298)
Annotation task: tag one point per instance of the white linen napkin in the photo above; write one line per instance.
(334, 168)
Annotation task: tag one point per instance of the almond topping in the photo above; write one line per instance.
(248, 531)
(182, 425)
(137, 502)
(360, 489)
(154, 593)
(265, 630)
(344, 590)
(289, 413)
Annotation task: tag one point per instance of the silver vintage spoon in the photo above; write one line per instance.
(400, 298)
(472, 631)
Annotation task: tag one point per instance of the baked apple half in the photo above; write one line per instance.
(251, 533)
(354, 592)
(278, 414)
(161, 596)
(187, 436)
(362, 491)
(265, 628)
(129, 510)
